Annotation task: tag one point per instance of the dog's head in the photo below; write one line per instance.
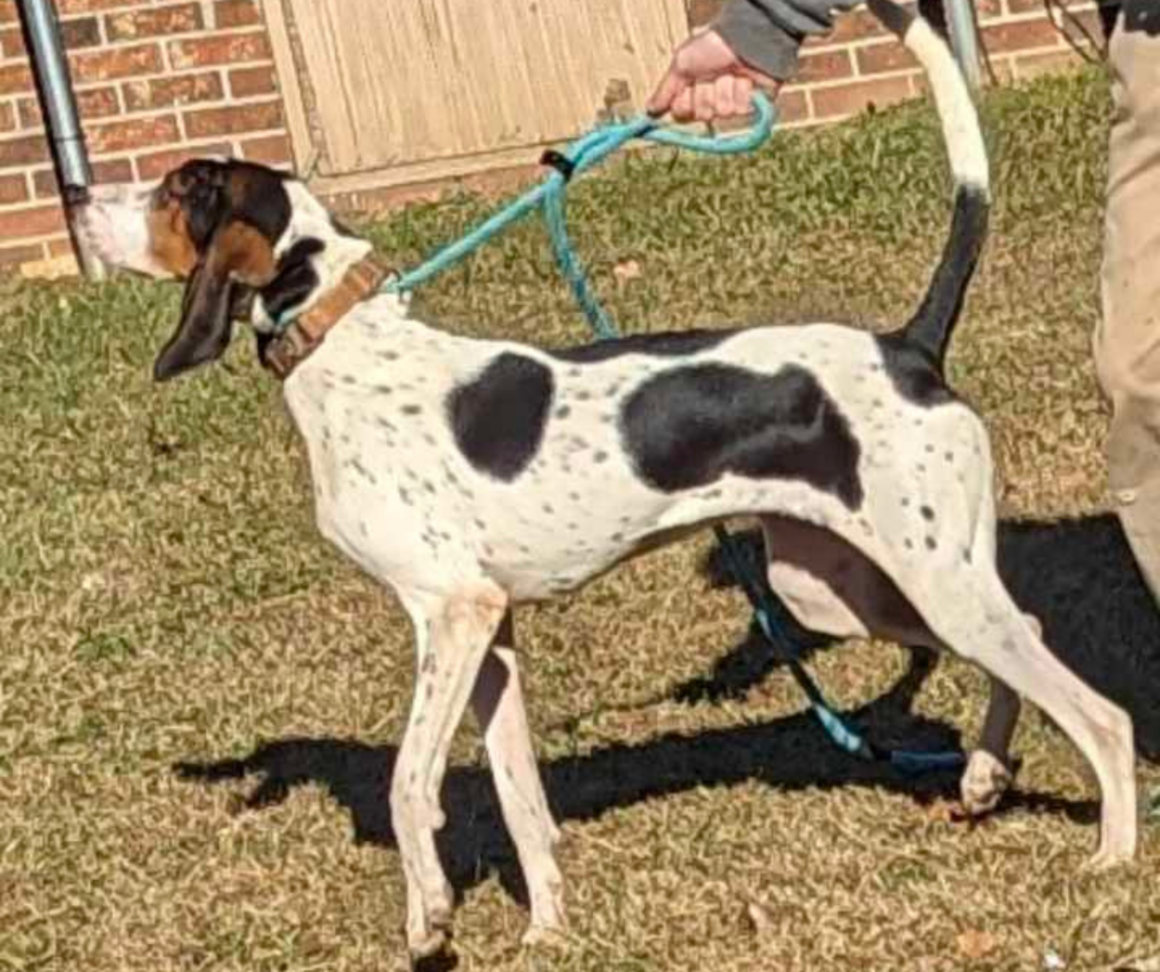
(249, 241)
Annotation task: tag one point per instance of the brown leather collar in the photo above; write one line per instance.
(294, 345)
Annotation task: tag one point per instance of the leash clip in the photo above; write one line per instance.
(560, 162)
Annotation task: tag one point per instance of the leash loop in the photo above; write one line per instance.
(584, 153)
(549, 195)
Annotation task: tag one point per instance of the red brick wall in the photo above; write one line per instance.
(155, 82)
(158, 81)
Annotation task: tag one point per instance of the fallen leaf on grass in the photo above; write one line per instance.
(626, 271)
(943, 811)
(974, 944)
(759, 920)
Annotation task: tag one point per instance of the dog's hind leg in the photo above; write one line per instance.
(832, 587)
(982, 623)
(988, 773)
(454, 635)
(498, 701)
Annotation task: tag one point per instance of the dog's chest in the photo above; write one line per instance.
(426, 473)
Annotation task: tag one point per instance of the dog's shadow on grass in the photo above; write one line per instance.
(1078, 577)
(786, 753)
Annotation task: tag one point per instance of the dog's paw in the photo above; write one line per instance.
(984, 782)
(545, 936)
(432, 951)
(1105, 859)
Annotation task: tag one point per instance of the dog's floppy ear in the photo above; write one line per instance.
(237, 255)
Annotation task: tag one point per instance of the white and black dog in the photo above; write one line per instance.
(470, 476)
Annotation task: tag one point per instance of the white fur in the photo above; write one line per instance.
(114, 227)
(960, 121)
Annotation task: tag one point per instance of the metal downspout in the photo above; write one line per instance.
(58, 105)
(960, 16)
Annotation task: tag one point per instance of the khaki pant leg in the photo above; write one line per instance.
(1127, 340)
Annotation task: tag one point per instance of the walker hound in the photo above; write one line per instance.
(470, 476)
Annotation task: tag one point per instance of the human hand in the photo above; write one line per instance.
(707, 81)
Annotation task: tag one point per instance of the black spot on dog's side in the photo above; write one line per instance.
(361, 470)
(671, 344)
(689, 426)
(498, 419)
(914, 374)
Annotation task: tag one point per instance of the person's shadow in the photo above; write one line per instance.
(1077, 576)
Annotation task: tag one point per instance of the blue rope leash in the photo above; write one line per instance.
(549, 195)
(581, 155)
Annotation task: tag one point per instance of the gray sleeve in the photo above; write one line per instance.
(768, 33)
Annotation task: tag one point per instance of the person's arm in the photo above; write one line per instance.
(751, 43)
(766, 34)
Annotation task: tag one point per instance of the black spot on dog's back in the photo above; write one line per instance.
(687, 427)
(498, 419)
(914, 374)
(670, 344)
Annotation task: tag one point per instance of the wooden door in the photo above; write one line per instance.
(384, 92)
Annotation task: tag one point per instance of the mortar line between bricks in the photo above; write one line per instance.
(1017, 20)
(178, 73)
(997, 20)
(851, 80)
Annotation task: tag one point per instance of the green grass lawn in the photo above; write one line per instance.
(164, 599)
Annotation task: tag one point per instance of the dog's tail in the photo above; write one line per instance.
(930, 328)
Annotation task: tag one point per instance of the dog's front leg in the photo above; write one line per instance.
(499, 705)
(454, 635)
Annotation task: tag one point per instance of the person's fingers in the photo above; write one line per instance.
(672, 84)
(742, 94)
(704, 98)
(706, 80)
(682, 107)
(723, 101)
(764, 82)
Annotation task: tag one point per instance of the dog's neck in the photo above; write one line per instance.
(314, 256)
(302, 336)
(324, 272)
